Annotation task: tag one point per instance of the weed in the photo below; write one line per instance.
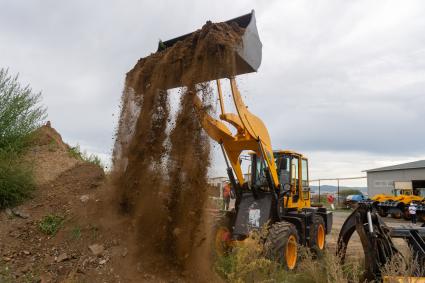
(94, 232)
(5, 274)
(75, 152)
(76, 233)
(247, 264)
(402, 266)
(16, 181)
(31, 277)
(94, 159)
(50, 224)
(53, 146)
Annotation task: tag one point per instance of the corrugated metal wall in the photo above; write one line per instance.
(383, 182)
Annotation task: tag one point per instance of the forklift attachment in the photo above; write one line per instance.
(376, 239)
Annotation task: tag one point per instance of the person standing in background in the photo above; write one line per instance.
(226, 195)
(412, 212)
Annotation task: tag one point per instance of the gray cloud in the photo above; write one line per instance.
(336, 78)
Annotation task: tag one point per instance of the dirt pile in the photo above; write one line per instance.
(161, 179)
(49, 155)
(67, 186)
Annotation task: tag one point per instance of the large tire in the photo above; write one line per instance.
(281, 244)
(406, 215)
(318, 235)
(222, 234)
(382, 212)
(397, 214)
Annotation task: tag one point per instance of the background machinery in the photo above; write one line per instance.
(397, 204)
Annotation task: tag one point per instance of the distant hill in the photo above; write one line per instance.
(334, 189)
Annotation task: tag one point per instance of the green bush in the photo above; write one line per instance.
(20, 112)
(76, 152)
(50, 224)
(16, 182)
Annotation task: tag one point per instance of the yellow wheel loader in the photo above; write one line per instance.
(397, 204)
(277, 194)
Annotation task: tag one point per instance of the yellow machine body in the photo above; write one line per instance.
(252, 135)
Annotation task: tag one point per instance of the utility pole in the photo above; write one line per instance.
(338, 192)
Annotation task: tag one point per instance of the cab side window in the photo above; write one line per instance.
(294, 170)
(304, 171)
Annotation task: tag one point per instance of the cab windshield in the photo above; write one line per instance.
(283, 170)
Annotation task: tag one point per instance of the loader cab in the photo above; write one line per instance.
(420, 192)
(403, 192)
(292, 171)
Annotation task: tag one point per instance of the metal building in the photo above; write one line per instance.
(403, 176)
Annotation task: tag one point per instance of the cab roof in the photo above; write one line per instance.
(281, 151)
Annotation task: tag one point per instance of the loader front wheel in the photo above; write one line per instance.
(318, 235)
(222, 234)
(221, 240)
(281, 244)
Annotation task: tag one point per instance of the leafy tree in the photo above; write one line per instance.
(20, 112)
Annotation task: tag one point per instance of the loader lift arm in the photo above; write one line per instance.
(251, 134)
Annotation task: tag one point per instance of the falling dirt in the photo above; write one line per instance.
(161, 178)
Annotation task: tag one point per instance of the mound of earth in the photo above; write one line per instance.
(49, 156)
(67, 190)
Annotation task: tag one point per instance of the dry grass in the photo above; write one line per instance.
(402, 267)
(247, 264)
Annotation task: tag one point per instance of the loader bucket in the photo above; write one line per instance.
(248, 52)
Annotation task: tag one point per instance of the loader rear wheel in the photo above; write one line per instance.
(318, 235)
(281, 244)
(397, 214)
(382, 212)
(406, 215)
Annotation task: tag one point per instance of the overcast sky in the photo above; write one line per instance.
(341, 81)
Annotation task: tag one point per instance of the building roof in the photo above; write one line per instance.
(410, 165)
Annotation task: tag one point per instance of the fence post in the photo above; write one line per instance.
(319, 190)
(338, 192)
